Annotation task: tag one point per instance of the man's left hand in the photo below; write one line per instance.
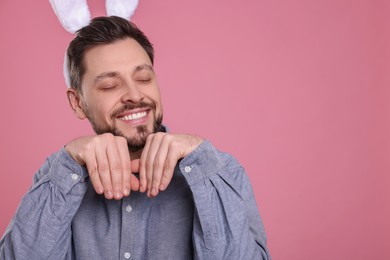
(158, 160)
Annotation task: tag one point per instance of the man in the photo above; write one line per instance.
(132, 191)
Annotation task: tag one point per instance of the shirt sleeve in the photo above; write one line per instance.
(43, 219)
(227, 224)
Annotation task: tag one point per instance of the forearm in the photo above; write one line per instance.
(227, 224)
(44, 216)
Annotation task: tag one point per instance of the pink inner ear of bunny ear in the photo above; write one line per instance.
(73, 14)
(121, 8)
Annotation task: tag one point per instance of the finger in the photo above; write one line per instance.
(124, 156)
(158, 164)
(103, 169)
(115, 168)
(134, 181)
(91, 164)
(169, 167)
(135, 166)
(151, 163)
(142, 162)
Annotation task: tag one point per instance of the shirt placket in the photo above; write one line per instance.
(128, 228)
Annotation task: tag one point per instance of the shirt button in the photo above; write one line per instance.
(187, 169)
(127, 255)
(74, 176)
(129, 208)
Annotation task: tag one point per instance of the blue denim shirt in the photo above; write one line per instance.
(207, 212)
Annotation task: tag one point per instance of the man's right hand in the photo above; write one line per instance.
(108, 162)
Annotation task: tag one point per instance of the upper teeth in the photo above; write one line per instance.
(134, 116)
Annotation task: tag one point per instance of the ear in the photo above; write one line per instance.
(76, 103)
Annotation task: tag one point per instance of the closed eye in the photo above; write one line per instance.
(108, 87)
(144, 80)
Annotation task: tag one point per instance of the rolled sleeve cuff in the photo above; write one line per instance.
(66, 172)
(202, 163)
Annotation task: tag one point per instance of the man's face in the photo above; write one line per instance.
(120, 93)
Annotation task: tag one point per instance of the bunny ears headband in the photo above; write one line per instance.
(74, 15)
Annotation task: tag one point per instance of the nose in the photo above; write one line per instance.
(131, 93)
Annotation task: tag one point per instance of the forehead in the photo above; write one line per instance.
(120, 56)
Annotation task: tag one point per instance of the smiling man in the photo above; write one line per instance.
(132, 191)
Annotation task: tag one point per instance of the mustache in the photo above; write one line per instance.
(130, 106)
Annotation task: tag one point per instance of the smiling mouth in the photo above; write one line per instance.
(134, 116)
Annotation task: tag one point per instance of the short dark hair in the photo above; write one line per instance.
(101, 30)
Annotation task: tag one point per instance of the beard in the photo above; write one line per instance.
(136, 142)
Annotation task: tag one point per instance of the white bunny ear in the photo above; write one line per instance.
(121, 8)
(73, 14)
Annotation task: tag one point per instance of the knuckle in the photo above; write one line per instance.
(157, 164)
(116, 185)
(150, 137)
(148, 165)
(103, 166)
(89, 147)
(126, 166)
(160, 134)
(167, 137)
(92, 171)
(120, 139)
(96, 140)
(116, 166)
(173, 144)
(108, 136)
(167, 166)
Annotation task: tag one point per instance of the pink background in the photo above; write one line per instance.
(297, 90)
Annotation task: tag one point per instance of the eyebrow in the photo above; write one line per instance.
(115, 74)
(110, 74)
(143, 67)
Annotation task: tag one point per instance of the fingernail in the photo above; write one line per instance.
(118, 195)
(162, 187)
(109, 194)
(154, 191)
(126, 192)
